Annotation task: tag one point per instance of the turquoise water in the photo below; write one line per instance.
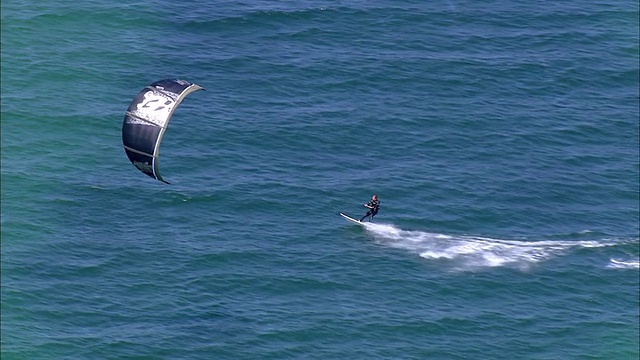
(501, 137)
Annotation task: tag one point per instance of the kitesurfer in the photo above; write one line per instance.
(373, 206)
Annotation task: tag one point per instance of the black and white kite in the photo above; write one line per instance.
(147, 119)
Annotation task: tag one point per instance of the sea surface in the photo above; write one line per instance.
(500, 136)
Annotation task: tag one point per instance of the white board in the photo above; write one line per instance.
(349, 218)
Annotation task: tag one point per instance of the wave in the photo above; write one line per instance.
(472, 252)
(623, 264)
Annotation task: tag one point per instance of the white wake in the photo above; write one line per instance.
(469, 252)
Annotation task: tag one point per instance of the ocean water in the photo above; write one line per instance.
(501, 137)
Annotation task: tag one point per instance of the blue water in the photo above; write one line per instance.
(501, 137)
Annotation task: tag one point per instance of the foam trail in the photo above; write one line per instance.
(468, 252)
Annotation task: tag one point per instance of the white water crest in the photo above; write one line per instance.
(471, 252)
(624, 264)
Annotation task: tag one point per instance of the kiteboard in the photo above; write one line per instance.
(349, 218)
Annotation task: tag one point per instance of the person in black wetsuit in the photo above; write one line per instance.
(373, 206)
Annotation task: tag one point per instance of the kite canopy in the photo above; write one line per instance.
(147, 119)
